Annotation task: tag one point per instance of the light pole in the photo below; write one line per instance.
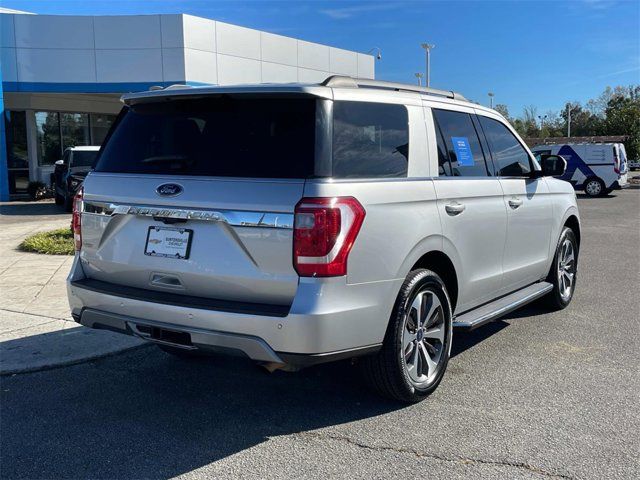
(379, 52)
(419, 77)
(491, 98)
(542, 119)
(568, 120)
(427, 47)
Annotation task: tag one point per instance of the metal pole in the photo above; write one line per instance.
(569, 120)
(428, 67)
(427, 47)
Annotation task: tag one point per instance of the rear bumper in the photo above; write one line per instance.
(328, 320)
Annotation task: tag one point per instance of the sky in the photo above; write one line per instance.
(541, 53)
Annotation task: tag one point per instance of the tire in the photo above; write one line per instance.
(565, 264)
(594, 187)
(181, 352)
(59, 199)
(400, 370)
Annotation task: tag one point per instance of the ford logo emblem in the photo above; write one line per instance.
(169, 189)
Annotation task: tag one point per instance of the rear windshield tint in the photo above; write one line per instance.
(219, 136)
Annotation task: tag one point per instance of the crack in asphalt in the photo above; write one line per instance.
(451, 458)
(36, 314)
(46, 283)
(27, 327)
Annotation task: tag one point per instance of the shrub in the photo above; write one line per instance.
(55, 242)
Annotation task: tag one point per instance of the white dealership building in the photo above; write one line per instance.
(62, 76)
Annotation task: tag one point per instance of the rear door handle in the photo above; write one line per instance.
(454, 209)
(515, 203)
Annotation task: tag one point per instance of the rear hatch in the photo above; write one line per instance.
(195, 197)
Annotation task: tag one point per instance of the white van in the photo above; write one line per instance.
(596, 168)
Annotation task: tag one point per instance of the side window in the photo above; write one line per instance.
(462, 143)
(444, 165)
(538, 154)
(509, 156)
(370, 140)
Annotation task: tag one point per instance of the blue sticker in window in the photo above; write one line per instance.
(463, 151)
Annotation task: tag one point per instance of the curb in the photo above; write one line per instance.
(70, 363)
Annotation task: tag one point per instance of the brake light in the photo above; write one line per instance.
(324, 232)
(616, 161)
(76, 220)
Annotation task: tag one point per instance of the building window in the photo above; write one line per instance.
(75, 129)
(59, 130)
(49, 144)
(100, 125)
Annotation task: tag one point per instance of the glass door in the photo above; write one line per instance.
(17, 156)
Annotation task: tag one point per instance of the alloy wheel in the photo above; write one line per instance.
(423, 337)
(566, 269)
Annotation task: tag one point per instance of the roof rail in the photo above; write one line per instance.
(155, 88)
(350, 82)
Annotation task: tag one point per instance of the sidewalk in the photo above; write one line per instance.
(36, 329)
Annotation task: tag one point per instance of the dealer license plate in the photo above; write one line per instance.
(168, 242)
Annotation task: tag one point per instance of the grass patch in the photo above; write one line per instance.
(55, 242)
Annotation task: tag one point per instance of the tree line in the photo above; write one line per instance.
(615, 112)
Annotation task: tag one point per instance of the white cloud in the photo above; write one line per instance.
(343, 13)
(600, 4)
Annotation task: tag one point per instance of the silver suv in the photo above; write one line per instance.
(299, 224)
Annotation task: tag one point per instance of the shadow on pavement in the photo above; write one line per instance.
(147, 414)
(32, 208)
(584, 196)
(463, 341)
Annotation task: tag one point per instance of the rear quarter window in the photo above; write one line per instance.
(370, 140)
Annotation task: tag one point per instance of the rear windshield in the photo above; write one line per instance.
(216, 136)
(83, 158)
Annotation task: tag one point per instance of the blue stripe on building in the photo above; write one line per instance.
(4, 172)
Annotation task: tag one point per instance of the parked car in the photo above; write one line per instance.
(300, 224)
(634, 165)
(70, 171)
(596, 168)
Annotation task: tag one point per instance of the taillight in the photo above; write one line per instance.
(324, 232)
(76, 220)
(616, 161)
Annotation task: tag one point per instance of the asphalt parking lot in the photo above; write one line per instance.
(535, 395)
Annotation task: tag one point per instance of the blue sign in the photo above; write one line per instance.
(463, 151)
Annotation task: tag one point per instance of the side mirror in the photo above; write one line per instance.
(553, 165)
(59, 162)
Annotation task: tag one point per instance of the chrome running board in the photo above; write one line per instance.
(496, 309)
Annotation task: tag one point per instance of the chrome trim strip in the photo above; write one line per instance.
(235, 218)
